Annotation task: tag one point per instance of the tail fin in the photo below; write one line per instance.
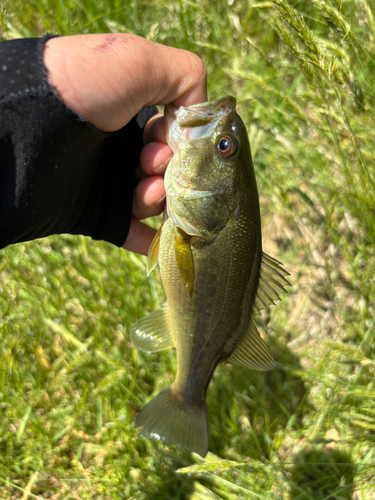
(169, 418)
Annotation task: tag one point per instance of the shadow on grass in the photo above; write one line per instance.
(320, 474)
(169, 484)
(175, 487)
(247, 408)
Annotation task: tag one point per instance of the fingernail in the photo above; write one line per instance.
(164, 164)
(159, 202)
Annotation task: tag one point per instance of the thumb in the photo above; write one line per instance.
(108, 78)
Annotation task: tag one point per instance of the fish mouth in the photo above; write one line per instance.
(196, 122)
(202, 114)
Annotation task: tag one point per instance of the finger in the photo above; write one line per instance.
(155, 157)
(108, 78)
(139, 237)
(155, 130)
(180, 78)
(149, 197)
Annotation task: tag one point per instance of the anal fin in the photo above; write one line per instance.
(152, 333)
(252, 351)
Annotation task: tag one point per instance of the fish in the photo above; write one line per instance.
(214, 272)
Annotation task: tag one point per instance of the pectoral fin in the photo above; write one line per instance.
(152, 333)
(252, 351)
(184, 259)
(153, 252)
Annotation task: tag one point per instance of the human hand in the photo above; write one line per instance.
(108, 78)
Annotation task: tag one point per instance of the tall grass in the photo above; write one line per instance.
(70, 381)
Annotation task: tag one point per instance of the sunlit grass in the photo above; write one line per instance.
(70, 381)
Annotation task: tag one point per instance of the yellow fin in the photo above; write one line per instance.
(272, 282)
(152, 333)
(184, 258)
(153, 252)
(252, 351)
(168, 418)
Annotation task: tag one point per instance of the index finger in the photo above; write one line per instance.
(154, 130)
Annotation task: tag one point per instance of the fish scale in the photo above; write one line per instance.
(214, 272)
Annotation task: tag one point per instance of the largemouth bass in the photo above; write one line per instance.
(215, 275)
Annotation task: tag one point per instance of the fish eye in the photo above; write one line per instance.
(226, 146)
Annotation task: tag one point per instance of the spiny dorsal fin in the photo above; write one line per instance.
(252, 351)
(272, 282)
(153, 252)
(184, 258)
(152, 333)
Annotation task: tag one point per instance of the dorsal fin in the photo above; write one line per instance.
(272, 282)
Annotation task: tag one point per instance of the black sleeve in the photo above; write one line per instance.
(59, 173)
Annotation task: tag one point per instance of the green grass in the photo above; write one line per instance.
(70, 381)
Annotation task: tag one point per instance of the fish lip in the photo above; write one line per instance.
(195, 121)
(211, 106)
(204, 113)
(171, 110)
